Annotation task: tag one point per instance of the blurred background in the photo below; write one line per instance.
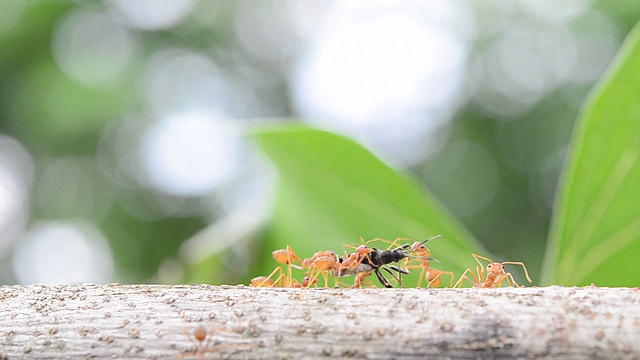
(123, 155)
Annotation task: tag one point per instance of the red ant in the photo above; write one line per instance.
(323, 263)
(350, 263)
(433, 276)
(306, 282)
(495, 274)
(288, 257)
(199, 336)
(267, 281)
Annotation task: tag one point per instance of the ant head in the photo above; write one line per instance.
(363, 249)
(495, 267)
(306, 281)
(420, 247)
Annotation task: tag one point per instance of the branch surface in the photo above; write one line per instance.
(157, 322)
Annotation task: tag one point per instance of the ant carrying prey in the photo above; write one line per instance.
(372, 260)
(363, 261)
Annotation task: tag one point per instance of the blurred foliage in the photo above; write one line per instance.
(595, 238)
(626, 13)
(332, 191)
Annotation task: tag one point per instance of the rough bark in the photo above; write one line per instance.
(151, 321)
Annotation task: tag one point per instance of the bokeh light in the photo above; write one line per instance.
(152, 14)
(179, 80)
(387, 76)
(92, 47)
(63, 252)
(535, 56)
(190, 154)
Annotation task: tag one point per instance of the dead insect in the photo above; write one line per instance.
(375, 259)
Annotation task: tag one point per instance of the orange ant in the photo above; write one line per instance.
(306, 282)
(362, 264)
(267, 281)
(199, 336)
(495, 274)
(288, 257)
(351, 262)
(323, 263)
(433, 276)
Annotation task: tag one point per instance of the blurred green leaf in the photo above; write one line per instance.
(51, 111)
(332, 191)
(596, 227)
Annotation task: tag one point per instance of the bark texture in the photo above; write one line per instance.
(152, 322)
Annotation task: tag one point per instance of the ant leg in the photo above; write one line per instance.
(210, 335)
(336, 280)
(396, 241)
(277, 269)
(390, 244)
(266, 281)
(280, 280)
(422, 275)
(526, 273)
(313, 276)
(291, 258)
(463, 276)
(476, 256)
(360, 278)
(326, 278)
(193, 342)
(481, 279)
(511, 281)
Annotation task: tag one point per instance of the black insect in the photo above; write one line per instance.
(378, 259)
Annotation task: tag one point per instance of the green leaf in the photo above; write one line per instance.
(332, 191)
(595, 235)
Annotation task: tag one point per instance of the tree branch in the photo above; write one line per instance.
(152, 321)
